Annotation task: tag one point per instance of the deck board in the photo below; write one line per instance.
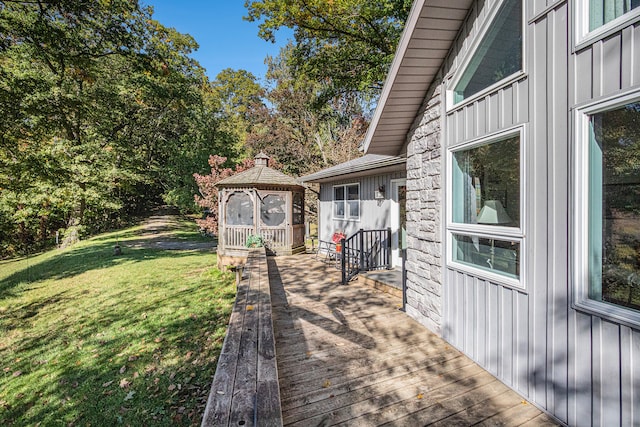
(347, 355)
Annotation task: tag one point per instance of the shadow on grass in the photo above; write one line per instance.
(146, 373)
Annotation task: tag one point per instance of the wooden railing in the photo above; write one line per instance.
(364, 251)
(236, 236)
(245, 389)
(275, 237)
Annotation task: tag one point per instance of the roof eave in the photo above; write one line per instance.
(393, 144)
(372, 167)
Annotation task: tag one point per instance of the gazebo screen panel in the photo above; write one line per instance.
(273, 210)
(298, 208)
(239, 209)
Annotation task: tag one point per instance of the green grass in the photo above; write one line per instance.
(89, 338)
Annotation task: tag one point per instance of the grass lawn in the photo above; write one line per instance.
(89, 338)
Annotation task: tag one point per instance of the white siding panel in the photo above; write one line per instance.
(630, 352)
(635, 66)
(611, 59)
(583, 75)
(557, 214)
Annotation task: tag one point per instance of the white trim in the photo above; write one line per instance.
(450, 105)
(584, 38)
(496, 232)
(579, 228)
(486, 274)
(394, 220)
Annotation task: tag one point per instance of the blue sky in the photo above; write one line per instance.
(225, 39)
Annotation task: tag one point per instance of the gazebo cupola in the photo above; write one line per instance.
(264, 202)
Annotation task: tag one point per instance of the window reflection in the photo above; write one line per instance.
(614, 206)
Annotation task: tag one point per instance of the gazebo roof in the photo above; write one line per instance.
(259, 176)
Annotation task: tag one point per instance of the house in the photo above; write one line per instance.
(364, 193)
(520, 123)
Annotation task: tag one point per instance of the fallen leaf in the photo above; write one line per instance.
(129, 395)
(326, 384)
(171, 387)
(132, 358)
(107, 384)
(124, 383)
(420, 395)
(249, 308)
(17, 373)
(136, 375)
(188, 355)
(123, 369)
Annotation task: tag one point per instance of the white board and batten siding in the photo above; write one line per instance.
(374, 213)
(579, 367)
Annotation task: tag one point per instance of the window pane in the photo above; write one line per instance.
(338, 193)
(354, 209)
(498, 256)
(498, 55)
(239, 209)
(272, 210)
(486, 184)
(603, 11)
(338, 209)
(353, 192)
(298, 208)
(614, 206)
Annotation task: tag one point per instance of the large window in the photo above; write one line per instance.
(610, 154)
(346, 201)
(602, 12)
(498, 55)
(485, 226)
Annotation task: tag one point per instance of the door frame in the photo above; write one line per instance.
(394, 207)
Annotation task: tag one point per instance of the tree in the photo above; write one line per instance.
(302, 136)
(348, 44)
(103, 114)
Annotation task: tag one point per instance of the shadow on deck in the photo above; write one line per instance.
(347, 355)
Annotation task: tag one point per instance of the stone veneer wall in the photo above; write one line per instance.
(424, 212)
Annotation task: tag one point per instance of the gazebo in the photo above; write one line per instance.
(264, 202)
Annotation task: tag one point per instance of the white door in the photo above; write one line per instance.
(398, 220)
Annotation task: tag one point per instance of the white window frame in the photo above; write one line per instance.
(450, 103)
(584, 37)
(489, 231)
(347, 211)
(580, 209)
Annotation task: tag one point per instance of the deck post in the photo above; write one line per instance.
(388, 260)
(361, 242)
(343, 264)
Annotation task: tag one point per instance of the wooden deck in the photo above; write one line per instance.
(347, 355)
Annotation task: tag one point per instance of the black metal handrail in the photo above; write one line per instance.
(364, 251)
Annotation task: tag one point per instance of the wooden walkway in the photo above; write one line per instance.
(347, 355)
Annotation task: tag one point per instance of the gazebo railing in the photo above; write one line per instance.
(236, 236)
(275, 237)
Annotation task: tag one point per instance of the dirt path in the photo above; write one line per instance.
(159, 232)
